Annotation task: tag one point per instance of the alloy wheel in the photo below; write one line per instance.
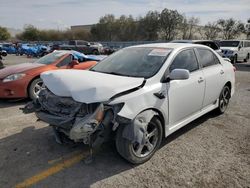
(224, 99)
(148, 145)
(38, 87)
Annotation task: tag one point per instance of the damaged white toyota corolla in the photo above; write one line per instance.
(137, 96)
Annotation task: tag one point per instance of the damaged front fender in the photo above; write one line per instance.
(135, 131)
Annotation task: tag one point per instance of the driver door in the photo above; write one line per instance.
(185, 96)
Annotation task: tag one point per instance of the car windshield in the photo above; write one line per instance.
(50, 58)
(229, 43)
(134, 62)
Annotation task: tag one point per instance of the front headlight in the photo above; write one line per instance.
(13, 77)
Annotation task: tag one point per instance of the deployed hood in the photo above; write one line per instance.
(13, 69)
(87, 86)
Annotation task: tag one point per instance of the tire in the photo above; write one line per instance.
(34, 88)
(234, 61)
(127, 149)
(95, 52)
(247, 58)
(224, 100)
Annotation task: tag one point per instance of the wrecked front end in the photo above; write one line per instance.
(79, 122)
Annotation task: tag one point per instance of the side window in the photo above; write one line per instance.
(207, 58)
(81, 43)
(185, 60)
(65, 61)
(214, 46)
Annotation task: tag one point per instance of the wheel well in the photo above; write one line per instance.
(161, 118)
(27, 90)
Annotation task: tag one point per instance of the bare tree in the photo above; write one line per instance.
(211, 30)
(231, 28)
(192, 24)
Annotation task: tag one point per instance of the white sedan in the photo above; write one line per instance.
(137, 95)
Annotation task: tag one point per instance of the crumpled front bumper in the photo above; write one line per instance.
(73, 119)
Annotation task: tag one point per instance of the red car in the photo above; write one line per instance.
(23, 80)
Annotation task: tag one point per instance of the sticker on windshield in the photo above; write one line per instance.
(159, 52)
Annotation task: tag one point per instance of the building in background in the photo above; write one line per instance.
(81, 27)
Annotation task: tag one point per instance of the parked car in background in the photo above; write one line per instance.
(9, 48)
(2, 53)
(210, 43)
(81, 46)
(236, 50)
(23, 80)
(138, 95)
(107, 50)
(98, 45)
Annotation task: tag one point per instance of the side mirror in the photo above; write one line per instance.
(73, 63)
(88, 44)
(179, 74)
(240, 47)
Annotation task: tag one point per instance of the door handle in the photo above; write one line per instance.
(221, 72)
(200, 80)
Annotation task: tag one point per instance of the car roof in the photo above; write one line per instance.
(170, 45)
(190, 41)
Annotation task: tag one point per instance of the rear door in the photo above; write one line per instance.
(214, 75)
(185, 96)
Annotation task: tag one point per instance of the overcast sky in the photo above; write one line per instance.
(60, 14)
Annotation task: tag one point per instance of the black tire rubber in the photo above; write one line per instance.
(95, 52)
(124, 146)
(31, 88)
(235, 59)
(219, 110)
(247, 58)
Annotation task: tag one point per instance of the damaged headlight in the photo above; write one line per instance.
(84, 127)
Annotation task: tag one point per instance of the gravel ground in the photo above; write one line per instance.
(213, 151)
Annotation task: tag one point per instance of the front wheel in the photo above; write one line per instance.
(35, 87)
(224, 100)
(138, 153)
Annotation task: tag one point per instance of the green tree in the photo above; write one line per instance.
(106, 28)
(231, 28)
(170, 21)
(126, 28)
(30, 33)
(149, 26)
(4, 34)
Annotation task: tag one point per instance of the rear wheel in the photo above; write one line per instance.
(138, 153)
(35, 87)
(224, 100)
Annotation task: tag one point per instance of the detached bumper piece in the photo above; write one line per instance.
(79, 122)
